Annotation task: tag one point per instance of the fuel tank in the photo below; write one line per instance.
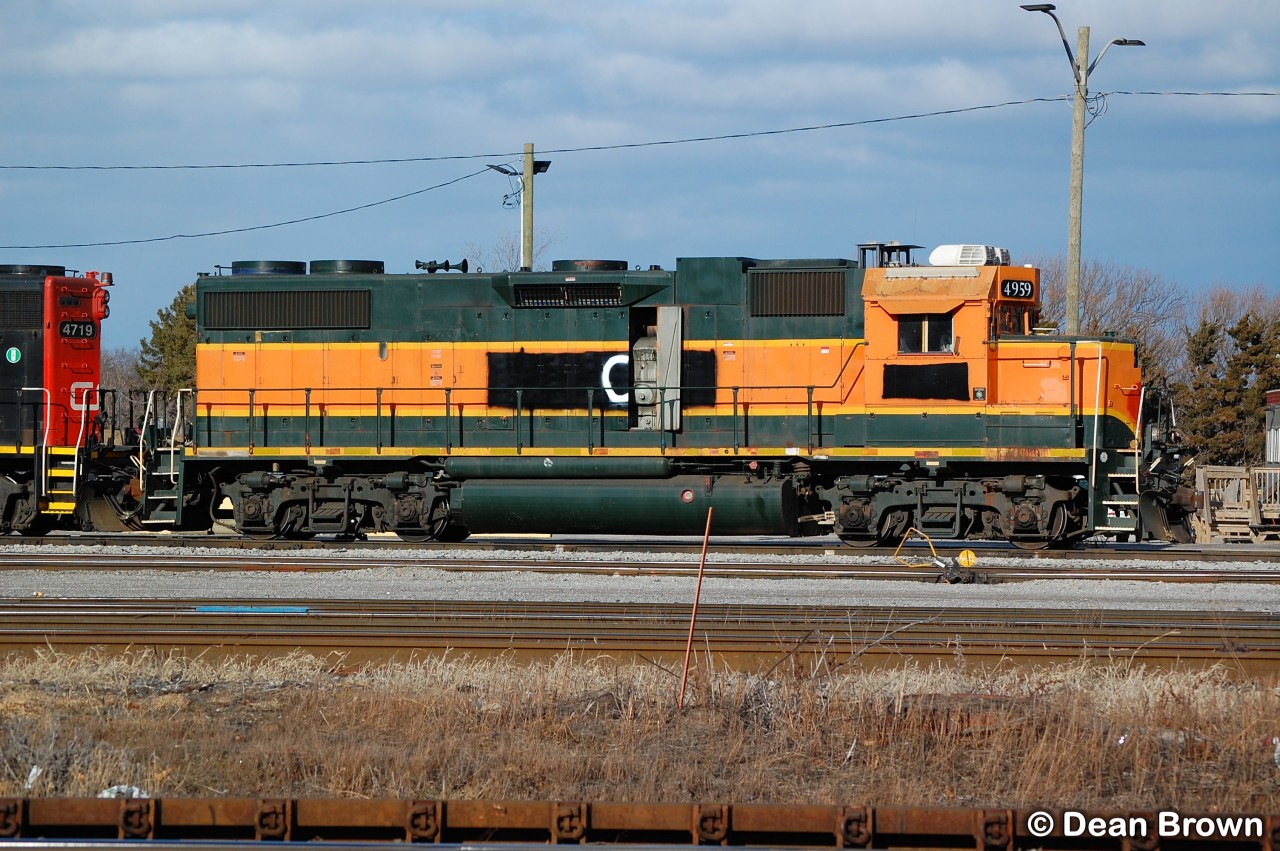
(674, 506)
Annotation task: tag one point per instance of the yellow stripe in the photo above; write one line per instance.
(27, 449)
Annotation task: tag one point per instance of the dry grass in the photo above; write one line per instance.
(1103, 737)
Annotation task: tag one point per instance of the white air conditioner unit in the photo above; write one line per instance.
(969, 255)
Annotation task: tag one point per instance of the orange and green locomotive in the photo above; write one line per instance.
(856, 397)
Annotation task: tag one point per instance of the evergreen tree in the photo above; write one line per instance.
(1222, 403)
(168, 359)
(1254, 371)
(1201, 408)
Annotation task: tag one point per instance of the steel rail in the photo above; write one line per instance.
(614, 563)
(741, 637)
(828, 545)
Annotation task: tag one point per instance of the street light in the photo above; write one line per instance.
(531, 167)
(1081, 68)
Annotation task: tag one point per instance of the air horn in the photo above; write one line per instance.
(432, 266)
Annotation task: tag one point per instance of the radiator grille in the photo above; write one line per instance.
(286, 310)
(568, 295)
(20, 310)
(797, 292)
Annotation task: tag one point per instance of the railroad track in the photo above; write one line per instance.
(723, 564)
(743, 637)
(758, 546)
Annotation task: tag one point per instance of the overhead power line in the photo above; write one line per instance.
(252, 227)
(615, 147)
(582, 149)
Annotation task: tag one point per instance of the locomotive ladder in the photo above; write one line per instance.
(60, 467)
(58, 488)
(1120, 500)
(1117, 504)
(56, 467)
(163, 500)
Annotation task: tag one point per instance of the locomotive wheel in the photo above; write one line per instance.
(893, 529)
(453, 534)
(411, 536)
(1056, 536)
(292, 527)
(39, 527)
(440, 527)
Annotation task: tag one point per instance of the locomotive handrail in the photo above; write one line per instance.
(84, 416)
(179, 424)
(1097, 397)
(43, 462)
(1094, 484)
(259, 397)
(857, 344)
(1071, 388)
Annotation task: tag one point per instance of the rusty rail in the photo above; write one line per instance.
(492, 823)
(742, 637)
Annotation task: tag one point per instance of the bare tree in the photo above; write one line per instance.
(120, 368)
(504, 256)
(1127, 301)
(119, 379)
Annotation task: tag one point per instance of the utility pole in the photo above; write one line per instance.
(1076, 213)
(531, 167)
(1081, 68)
(526, 211)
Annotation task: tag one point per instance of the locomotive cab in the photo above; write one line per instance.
(932, 330)
(962, 384)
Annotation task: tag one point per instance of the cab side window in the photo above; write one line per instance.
(924, 333)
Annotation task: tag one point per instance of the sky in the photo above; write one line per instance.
(954, 125)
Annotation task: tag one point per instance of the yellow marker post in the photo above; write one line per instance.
(967, 558)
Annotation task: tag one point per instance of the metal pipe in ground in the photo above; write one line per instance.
(693, 616)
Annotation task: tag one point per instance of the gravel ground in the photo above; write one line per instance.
(398, 578)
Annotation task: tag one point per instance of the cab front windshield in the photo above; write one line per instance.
(1014, 320)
